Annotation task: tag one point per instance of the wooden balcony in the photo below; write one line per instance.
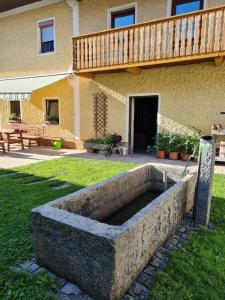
(187, 38)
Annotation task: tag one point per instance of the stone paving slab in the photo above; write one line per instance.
(141, 286)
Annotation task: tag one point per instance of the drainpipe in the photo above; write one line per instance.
(75, 7)
(202, 207)
(74, 4)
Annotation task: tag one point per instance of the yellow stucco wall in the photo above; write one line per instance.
(191, 95)
(33, 111)
(214, 3)
(18, 42)
(93, 13)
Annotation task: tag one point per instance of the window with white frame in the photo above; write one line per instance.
(15, 111)
(46, 36)
(123, 15)
(52, 111)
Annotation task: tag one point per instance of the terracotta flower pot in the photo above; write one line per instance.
(185, 157)
(173, 155)
(160, 154)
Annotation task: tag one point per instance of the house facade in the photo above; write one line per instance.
(136, 67)
(36, 76)
(142, 76)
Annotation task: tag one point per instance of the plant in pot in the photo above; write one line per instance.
(196, 143)
(14, 118)
(51, 120)
(186, 147)
(161, 144)
(174, 146)
(99, 144)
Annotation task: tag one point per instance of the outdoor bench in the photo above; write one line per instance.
(2, 145)
(32, 133)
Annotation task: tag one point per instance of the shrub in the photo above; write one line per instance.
(177, 142)
(14, 117)
(162, 141)
(104, 140)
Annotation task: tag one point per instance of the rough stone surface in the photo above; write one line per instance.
(70, 289)
(205, 178)
(97, 256)
(141, 286)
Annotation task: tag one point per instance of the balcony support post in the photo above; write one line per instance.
(219, 61)
(134, 70)
(86, 75)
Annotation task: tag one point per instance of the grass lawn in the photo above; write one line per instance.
(197, 271)
(16, 201)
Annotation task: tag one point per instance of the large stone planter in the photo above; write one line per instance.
(97, 147)
(71, 240)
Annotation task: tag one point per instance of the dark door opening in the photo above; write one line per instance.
(145, 122)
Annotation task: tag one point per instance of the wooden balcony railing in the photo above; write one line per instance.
(195, 36)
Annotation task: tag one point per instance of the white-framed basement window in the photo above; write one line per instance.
(46, 36)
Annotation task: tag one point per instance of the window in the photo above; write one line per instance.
(186, 6)
(123, 17)
(46, 32)
(15, 114)
(52, 111)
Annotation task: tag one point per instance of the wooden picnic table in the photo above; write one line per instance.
(12, 137)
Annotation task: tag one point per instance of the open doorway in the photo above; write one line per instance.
(143, 122)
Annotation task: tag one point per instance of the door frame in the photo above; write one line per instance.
(130, 110)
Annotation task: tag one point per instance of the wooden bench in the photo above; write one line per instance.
(31, 133)
(2, 145)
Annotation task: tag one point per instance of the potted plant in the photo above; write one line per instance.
(14, 118)
(51, 120)
(161, 144)
(99, 144)
(174, 146)
(188, 146)
(196, 143)
(57, 145)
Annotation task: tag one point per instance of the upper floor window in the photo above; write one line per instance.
(46, 38)
(123, 18)
(123, 15)
(186, 6)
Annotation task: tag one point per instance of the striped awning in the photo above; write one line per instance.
(21, 88)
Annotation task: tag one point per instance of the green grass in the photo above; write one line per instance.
(16, 201)
(197, 271)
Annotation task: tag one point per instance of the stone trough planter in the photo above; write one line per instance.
(70, 238)
(102, 148)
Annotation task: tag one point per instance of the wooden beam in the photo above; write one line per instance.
(87, 75)
(219, 61)
(134, 70)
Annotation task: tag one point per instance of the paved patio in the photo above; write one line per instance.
(18, 158)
